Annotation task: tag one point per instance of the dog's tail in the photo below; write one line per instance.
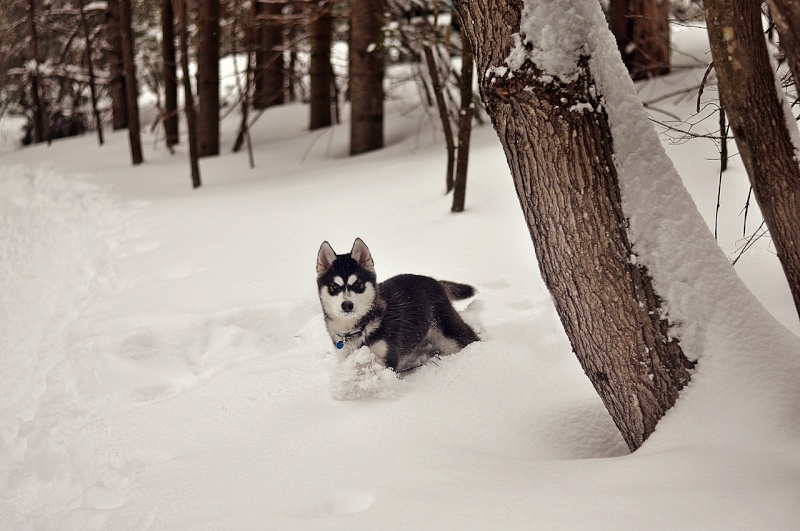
(456, 291)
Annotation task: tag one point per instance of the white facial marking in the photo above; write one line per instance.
(332, 304)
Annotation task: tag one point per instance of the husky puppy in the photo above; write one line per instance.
(404, 320)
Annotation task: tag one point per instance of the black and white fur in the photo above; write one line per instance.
(404, 320)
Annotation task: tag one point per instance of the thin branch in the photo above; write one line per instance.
(759, 233)
(703, 84)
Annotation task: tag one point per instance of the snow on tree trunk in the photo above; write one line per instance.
(366, 75)
(759, 121)
(537, 81)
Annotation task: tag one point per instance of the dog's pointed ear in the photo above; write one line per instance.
(360, 253)
(325, 258)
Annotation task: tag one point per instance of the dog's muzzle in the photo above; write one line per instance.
(347, 306)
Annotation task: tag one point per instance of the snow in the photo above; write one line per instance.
(358, 374)
(164, 362)
(553, 36)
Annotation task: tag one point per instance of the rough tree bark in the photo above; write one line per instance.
(641, 28)
(321, 71)
(465, 114)
(756, 116)
(169, 66)
(116, 89)
(366, 75)
(269, 77)
(131, 88)
(562, 161)
(208, 78)
(786, 14)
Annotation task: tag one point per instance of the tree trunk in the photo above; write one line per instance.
(208, 78)
(244, 95)
(40, 120)
(444, 116)
(191, 126)
(131, 88)
(321, 71)
(465, 115)
(269, 75)
(366, 75)
(116, 89)
(786, 14)
(641, 28)
(98, 122)
(171, 128)
(759, 124)
(563, 166)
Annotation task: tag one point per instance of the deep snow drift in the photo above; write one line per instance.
(163, 361)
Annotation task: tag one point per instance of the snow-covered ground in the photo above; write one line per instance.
(164, 365)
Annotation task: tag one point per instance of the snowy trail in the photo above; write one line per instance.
(69, 366)
(57, 239)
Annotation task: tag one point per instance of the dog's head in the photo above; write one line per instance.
(346, 282)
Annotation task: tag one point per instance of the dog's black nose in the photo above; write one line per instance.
(347, 306)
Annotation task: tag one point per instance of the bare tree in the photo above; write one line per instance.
(269, 77)
(40, 119)
(98, 122)
(565, 174)
(641, 28)
(191, 119)
(759, 124)
(444, 114)
(119, 100)
(131, 88)
(208, 78)
(366, 75)
(465, 114)
(322, 89)
(170, 118)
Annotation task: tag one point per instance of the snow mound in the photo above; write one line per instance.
(359, 375)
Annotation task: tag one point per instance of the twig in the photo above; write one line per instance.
(662, 111)
(671, 94)
(751, 241)
(746, 210)
(716, 212)
(703, 84)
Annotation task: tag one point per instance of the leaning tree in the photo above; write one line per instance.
(537, 63)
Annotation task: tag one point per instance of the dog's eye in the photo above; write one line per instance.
(357, 286)
(334, 289)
